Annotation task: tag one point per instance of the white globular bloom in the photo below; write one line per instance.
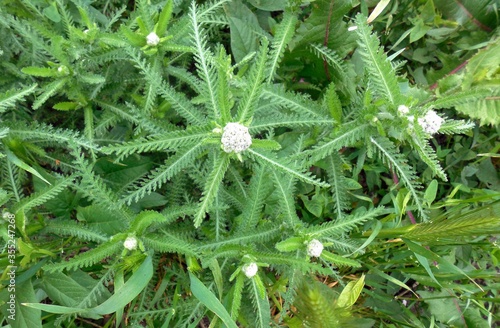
(314, 248)
(235, 138)
(130, 243)
(250, 269)
(403, 110)
(431, 122)
(152, 39)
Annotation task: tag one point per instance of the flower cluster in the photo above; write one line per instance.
(235, 138)
(250, 269)
(403, 110)
(314, 248)
(152, 39)
(431, 122)
(130, 243)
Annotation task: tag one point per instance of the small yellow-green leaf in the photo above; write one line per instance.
(290, 244)
(65, 105)
(351, 293)
(39, 71)
(430, 192)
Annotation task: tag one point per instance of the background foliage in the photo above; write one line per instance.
(110, 133)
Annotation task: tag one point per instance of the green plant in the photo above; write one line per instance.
(160, 170)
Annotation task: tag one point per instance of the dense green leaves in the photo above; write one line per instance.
(249, 163)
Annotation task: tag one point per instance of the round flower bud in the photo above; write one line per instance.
(130, 243)
(63, 70)
(431, 122)
(152, 39)
(250, 269)
(235, 138)
(314, 248)
(403, 110)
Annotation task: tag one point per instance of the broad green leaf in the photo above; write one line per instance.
(63, 289)
(315, 204)
(51, 13)
(430, 192)
(418, 31)
(207, 298)
(443, 306)
(24, 317)
(127, 292)
(245, 29)
(19, 163)
(121, 297)
(351, 293)
(478, 13)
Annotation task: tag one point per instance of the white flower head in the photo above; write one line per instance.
(63, 70)
(403, 110)
(152, 39)
(130, 243)
(352, 28)
(314, 248)
(431, 122)
(235, 138)
(250, 269)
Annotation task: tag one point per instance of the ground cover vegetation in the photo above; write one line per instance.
(249, 163)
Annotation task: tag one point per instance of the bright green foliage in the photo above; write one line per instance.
(246, 163)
